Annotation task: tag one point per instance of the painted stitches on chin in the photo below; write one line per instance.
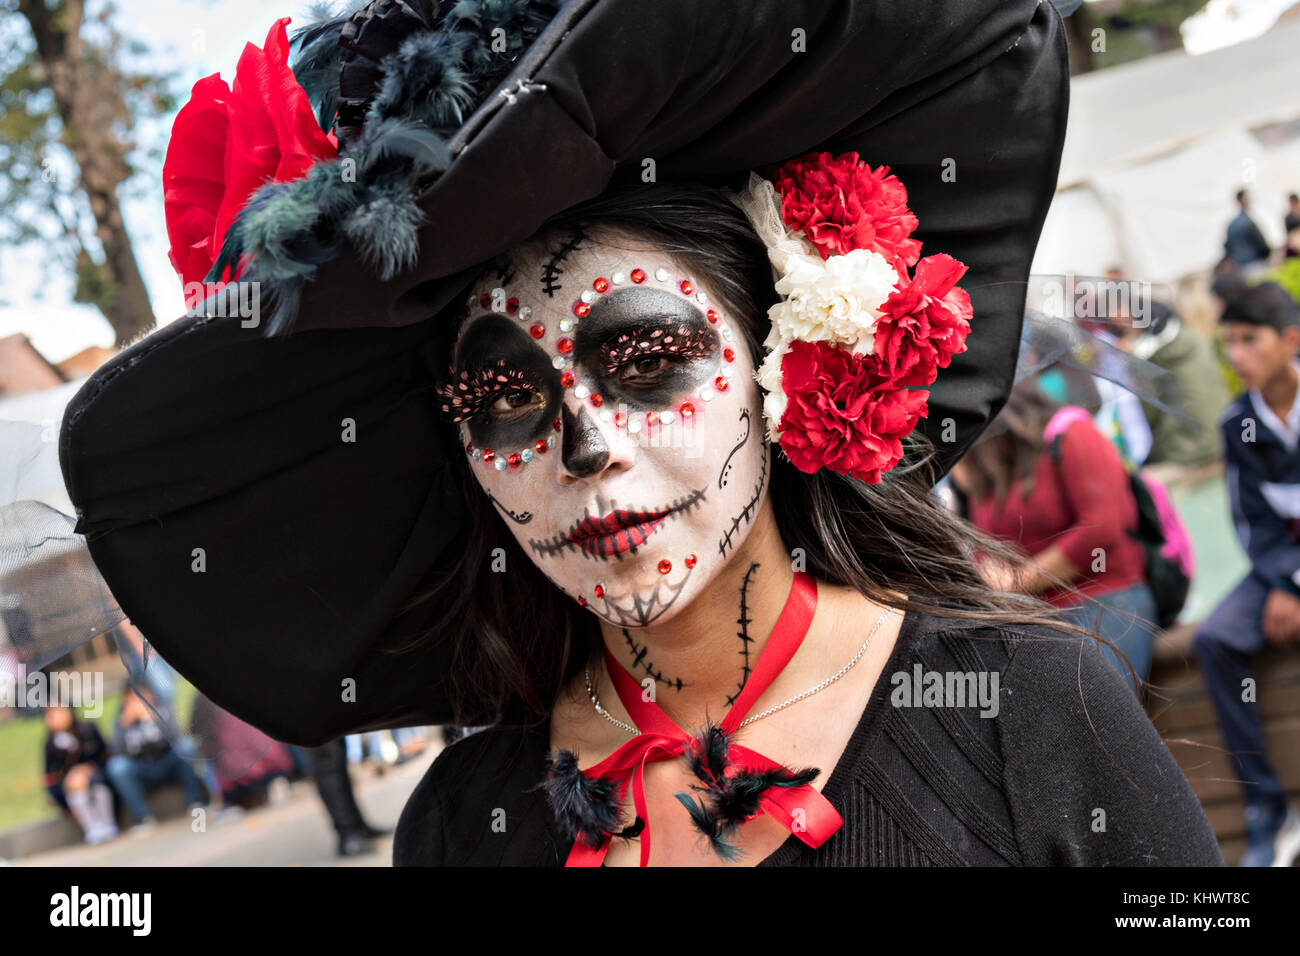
(616, 534)
(643, 610)
(746, 514)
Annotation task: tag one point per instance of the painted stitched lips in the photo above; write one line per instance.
(618, 532)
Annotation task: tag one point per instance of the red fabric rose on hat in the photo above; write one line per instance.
(227, 142)
(842, 414)
(842, 204)
(924, 323)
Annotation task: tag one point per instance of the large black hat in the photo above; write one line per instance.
(273, 563)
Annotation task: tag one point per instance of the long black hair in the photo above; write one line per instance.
(519, 639)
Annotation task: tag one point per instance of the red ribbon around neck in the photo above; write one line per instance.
(802, 810)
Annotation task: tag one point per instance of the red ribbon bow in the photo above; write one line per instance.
(802, 810)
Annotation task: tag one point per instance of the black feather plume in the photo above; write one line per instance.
(717, 832)
(585, 809)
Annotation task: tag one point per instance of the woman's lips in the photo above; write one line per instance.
(616, 532)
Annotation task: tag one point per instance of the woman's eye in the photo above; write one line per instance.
(643, 368)
(510, 406)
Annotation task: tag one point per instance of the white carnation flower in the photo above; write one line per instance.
(834, 300)
(769, 378)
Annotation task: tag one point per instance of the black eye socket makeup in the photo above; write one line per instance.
(646, 323)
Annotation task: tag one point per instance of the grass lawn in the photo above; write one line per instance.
(22, 756)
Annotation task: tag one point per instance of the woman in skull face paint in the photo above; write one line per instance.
(634, 545)
(691, 646)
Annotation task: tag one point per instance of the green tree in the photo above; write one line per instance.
(70, 101)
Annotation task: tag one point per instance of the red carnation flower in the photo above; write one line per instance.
(227, 142)
(924, 323)
(842, 414)
(842, 204)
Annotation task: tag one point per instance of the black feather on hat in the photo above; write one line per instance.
(210, 445)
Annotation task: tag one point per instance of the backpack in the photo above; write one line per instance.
(1170, 561)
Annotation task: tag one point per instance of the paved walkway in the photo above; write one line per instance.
(295, 833)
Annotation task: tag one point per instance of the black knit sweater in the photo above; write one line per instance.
(1044, 782)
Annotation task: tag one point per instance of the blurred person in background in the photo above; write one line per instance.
(1291, 223)
(75, 755)
(1260, 328)
(144, 759)
(330, 768)
(1070, 509)
(245, 762)
(1245, 244)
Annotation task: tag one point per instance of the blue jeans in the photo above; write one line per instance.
(1225, 642)
(1125, 619)
(133, 777)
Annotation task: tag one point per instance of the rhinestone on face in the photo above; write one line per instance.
(686, 409)
(557, 362)
(477, 454)
(565, 346)
(514, 460)
(582, 601)
(634, 425)
(661, 274)
(581, 309)
(726, 333)
(512, 306)
(619, 278)
(706, 393)
(537, 330)
(650, 419)
(488, 454)
(485, 301)
(541, 445)
(566, 325)
(601, 285)
(556, 425)
(581, 391)
(689, 560)
(729, 354)
(606, 414)
(721, 383)
(550, 442)
(597, 399)
(665, 566)
(728, 371)
(587, 296)
(526, 455)
(566, 380)
(598, 591)
(713, 316)
(525, 313)
(667, 417)
(701, 298)
(638, 276)
(686, 286)
(500, 464)
(620, 420)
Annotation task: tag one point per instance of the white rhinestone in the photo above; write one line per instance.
(550, 441)
(477, 454)
(666, 417)
(701, 297)
(661, 275)
(726, 334)
(587, 296)
(706, 393)
(581, 391)
(526, 454)
(566, 325)
(606, 414)
(634, 425)
(619, 278)
(525, 313)
(501, 464)
(727, 370)
(557, 362)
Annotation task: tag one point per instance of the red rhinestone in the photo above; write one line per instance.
(713, 316)
(566, 379)
(512, 306)
(687, 287)
(485, 300)
(537, 330)
(464, 311)
(469, 448)
(598, 591)
(638, 276)
(488, 454)
(665, 566)
(651, 418)
(687, 410)
(720, 383)
(556, 424)
(620, 420)
(582, 601)
(596, 399)
(565, 346)
(580, 309)
(514, 460)
(729, 355)
(601, 284)
(541, 446)
(690, 560)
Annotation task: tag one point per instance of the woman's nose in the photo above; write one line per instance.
(586, 446)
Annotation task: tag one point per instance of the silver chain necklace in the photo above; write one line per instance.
(630, 729)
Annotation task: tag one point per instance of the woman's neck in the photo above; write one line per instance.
(697, 661)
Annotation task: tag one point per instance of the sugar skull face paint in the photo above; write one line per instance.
(607, 406)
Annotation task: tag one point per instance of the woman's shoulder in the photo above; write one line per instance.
(479, 802)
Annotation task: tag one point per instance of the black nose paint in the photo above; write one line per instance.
(584, 451)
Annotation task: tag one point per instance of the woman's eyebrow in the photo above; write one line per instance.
(494, 339)
(615, 313)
